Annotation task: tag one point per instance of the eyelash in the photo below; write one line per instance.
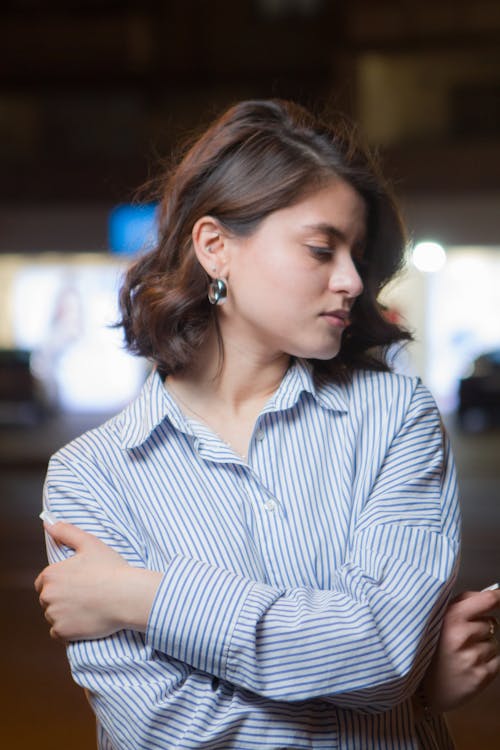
(325, 253)
(321, 253)
(320, 250)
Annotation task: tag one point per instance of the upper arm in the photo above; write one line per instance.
(79, 491)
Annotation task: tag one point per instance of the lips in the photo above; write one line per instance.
(337, 317)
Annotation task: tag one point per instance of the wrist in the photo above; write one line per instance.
(137, 590)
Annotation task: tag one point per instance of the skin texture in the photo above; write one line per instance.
(283, 280)
(299, 264)
(467, 658)
(95, 592)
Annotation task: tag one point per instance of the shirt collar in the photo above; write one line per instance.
(154, 404)
(147, 412)
(300, 379)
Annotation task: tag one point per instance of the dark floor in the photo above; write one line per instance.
(43, 709)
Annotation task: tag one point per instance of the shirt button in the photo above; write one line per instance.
(259, 435)
(270, 505)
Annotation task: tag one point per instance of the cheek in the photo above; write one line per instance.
(266, 303)
(291, 278)
(283, 292)
(274, 280)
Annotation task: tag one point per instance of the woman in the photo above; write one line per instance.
(283, 507)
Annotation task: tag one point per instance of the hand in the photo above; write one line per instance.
(95, 592)
(467, 657)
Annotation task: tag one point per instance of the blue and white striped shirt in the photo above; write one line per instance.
(303, 587)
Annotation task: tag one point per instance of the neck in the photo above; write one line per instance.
(245, 378)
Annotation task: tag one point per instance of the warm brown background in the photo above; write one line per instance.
(91, 93)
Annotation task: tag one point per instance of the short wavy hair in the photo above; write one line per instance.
(258, 157)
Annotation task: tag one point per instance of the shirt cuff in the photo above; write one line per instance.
(195, 612)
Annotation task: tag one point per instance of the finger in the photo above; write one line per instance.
(38, 584)
(491, 668)
(477, 604)
(490, 649)
(68, 534)
(462, 596)
(39, 581)
(492, 625)
(55, 635)
(482, 629)
(494, 666)
(486, 673)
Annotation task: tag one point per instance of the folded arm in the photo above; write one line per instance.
(365, 643)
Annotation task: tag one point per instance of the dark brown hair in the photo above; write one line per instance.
(258, 157)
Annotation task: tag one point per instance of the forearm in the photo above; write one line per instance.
(144, 702)
(356, 644)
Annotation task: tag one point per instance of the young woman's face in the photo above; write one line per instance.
(293, 282)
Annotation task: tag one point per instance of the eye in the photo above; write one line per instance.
(320, 252)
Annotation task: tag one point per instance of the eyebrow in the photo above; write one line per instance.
(335, 233)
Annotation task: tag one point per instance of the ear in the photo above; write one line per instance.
(210, 246)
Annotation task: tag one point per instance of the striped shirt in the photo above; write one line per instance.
(303, 587)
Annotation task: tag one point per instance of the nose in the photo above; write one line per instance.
(344, 277)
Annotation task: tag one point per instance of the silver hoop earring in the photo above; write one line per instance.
(217, 291)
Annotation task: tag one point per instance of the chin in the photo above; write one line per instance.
(323, 356)
(321, 353)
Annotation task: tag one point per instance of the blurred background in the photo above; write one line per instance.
(92, 96)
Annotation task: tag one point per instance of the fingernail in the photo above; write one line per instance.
(49, 517)
(493, 587)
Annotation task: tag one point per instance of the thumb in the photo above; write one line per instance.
(67, 534)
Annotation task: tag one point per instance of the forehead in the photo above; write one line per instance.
(336, 205)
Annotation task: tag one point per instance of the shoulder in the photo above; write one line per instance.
(96, 451)
(367, 388)
(108, 442)
(383, 397)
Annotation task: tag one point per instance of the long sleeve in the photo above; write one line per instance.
(357, 643)
(293, 627)
(145, 700)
